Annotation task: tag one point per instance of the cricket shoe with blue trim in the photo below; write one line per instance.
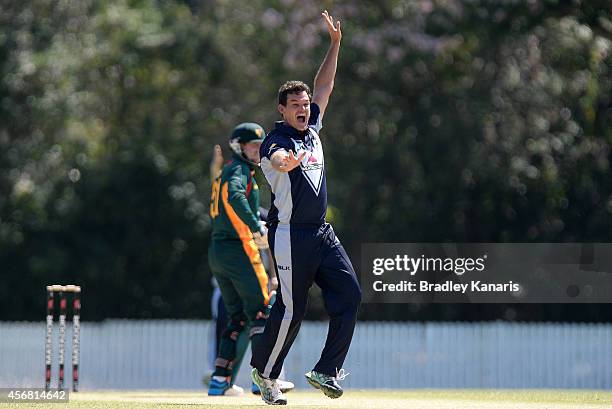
(326, 383)
(223, 388)
(285, 386)
(269, 389)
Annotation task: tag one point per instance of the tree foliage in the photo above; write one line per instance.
(452, 120)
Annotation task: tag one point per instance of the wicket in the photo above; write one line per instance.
(62, 290)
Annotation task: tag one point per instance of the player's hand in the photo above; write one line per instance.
(217, 161)
(261, 238)
(291, 162)
(217, 156)
(335, 33)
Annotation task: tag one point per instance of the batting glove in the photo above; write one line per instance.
(261, 238)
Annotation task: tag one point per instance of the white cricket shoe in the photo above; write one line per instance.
(284, 386)
(269, 388)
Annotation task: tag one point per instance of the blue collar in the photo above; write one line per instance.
(290, 131)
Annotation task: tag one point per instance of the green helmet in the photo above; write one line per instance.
(245, 133)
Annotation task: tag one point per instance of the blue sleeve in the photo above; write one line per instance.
(315, 117)
(314, 114)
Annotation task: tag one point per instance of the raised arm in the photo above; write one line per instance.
(324, 80)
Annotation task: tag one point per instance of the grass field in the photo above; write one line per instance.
(353, 399)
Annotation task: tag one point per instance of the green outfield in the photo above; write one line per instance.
(353, 399)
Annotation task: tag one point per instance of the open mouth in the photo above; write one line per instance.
(301, 119)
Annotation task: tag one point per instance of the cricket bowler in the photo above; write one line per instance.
(304, 246)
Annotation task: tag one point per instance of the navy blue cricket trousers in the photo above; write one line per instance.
(305, 254)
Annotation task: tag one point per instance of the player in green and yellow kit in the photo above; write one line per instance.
(237, 236)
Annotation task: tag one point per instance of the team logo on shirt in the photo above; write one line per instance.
(312, 164)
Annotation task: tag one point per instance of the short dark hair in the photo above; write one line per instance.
(292, 87)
